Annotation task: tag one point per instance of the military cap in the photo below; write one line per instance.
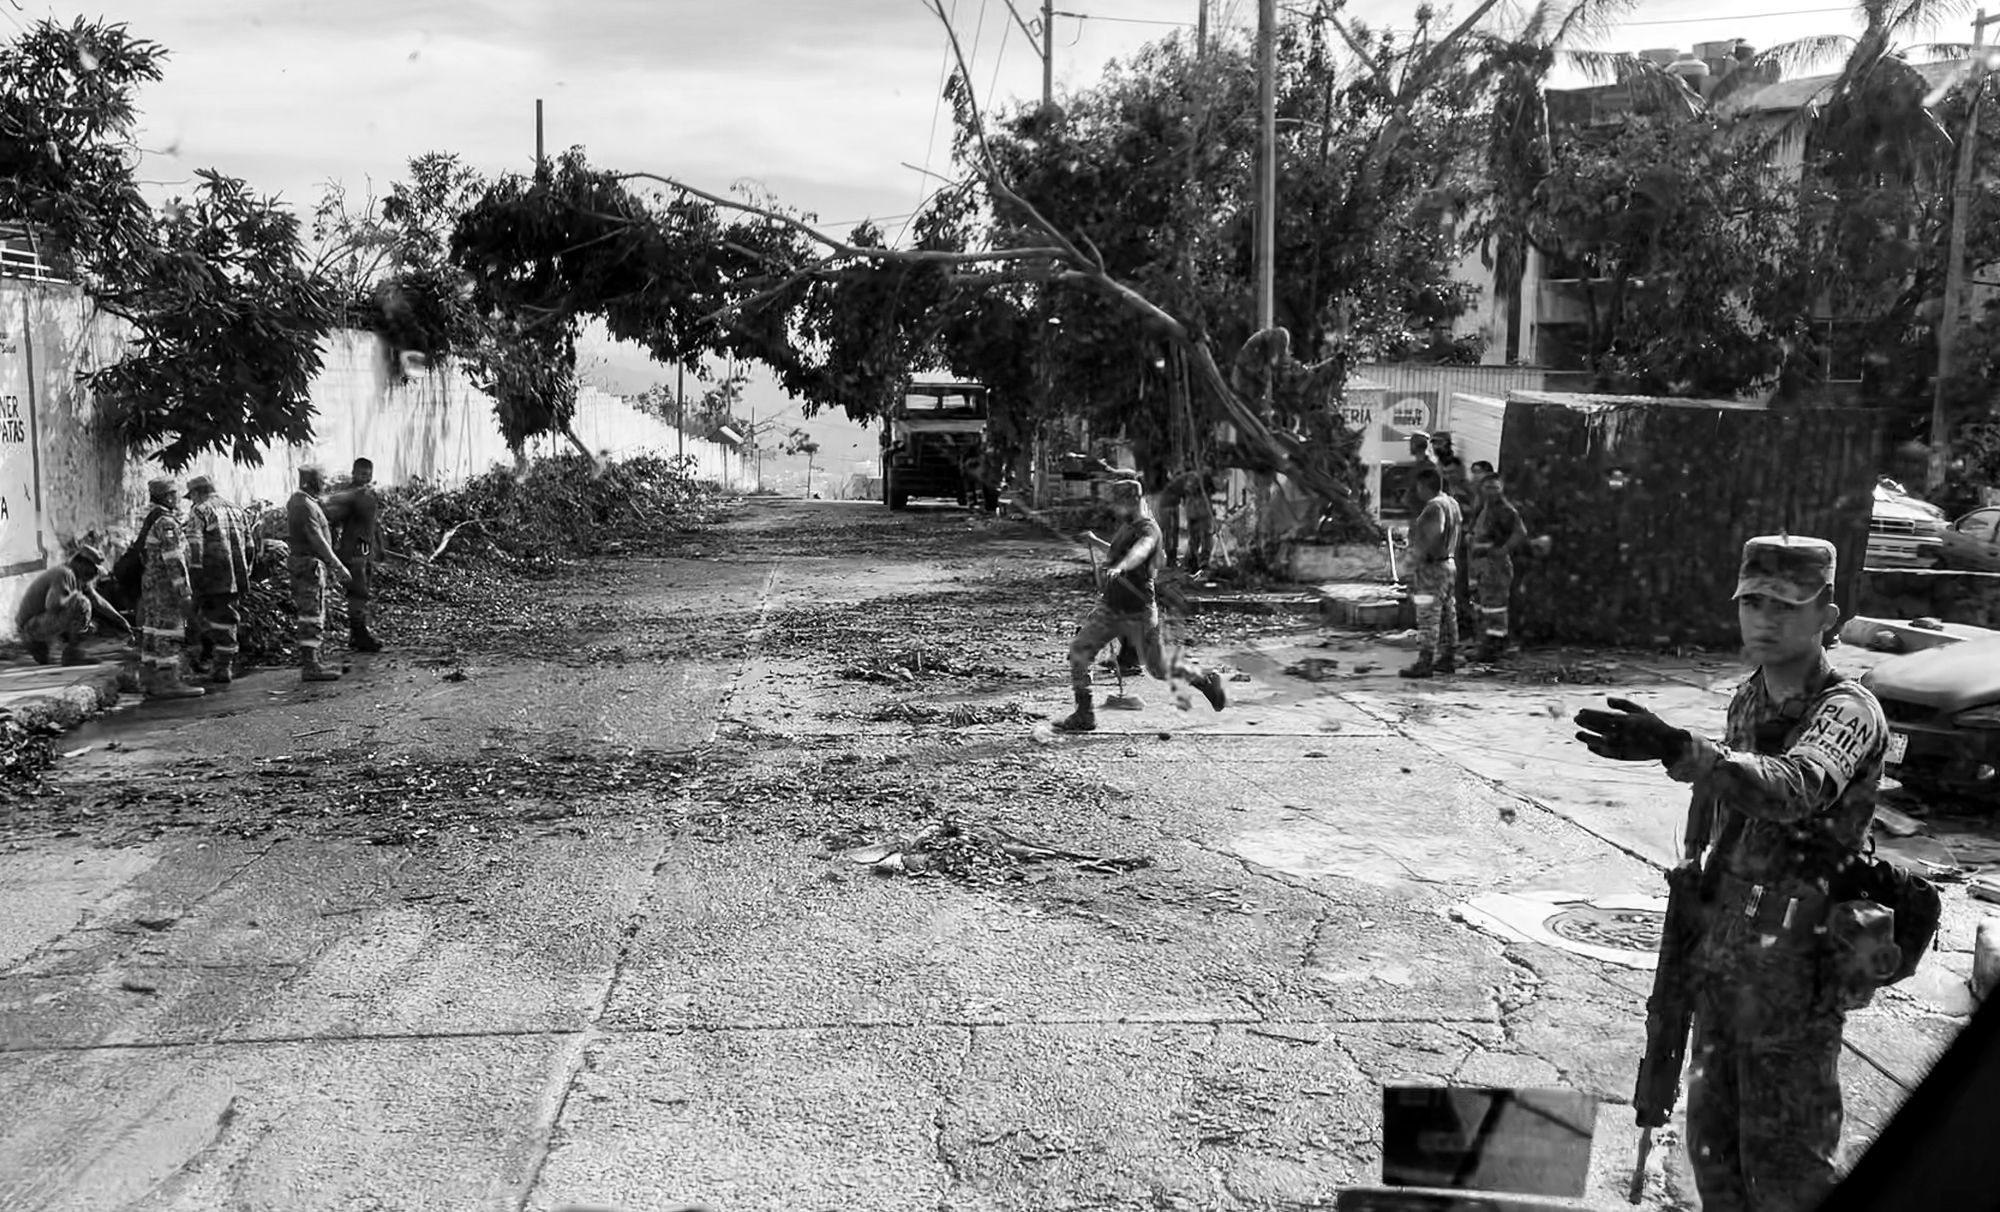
(162, 489)
(1127, 490)
(200, 484)
(1789, 568)
(85, 551)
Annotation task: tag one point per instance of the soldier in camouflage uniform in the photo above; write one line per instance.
(1129, 611)
(353, 513)
(1433, 574)
(218, 559)
(311, 556)
(165, 598)
(1785, 800)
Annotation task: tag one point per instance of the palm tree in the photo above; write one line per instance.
(1519, 154)
(1875, 157)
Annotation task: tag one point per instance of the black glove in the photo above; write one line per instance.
(1630, 733)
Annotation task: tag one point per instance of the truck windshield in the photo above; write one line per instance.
(944, 400)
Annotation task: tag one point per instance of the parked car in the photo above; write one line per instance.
(1943, 706)
(1973, 542)
(1904, 531)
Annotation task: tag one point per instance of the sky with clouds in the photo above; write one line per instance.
(821, 102)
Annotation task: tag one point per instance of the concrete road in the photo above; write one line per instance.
(589, 915)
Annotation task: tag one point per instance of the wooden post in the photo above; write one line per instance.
(1201, 31)
(538, 135)
(1954, 269)
(1267, 161)
(680, 409)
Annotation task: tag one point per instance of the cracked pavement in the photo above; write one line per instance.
(225, 981)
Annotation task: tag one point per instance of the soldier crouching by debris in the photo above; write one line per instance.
(1782, 805)
(1129, 611)
(61, 608)
(311, 555)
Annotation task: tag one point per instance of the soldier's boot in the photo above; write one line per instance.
(1491, 649)
(39, 649)
(1423, 668)
(1446, 662)
(164, 682)
(310, 670)
(200, 661)
(222, 671)
(73, 654)
(1083, 719)
(1210, 685)
(359, 638)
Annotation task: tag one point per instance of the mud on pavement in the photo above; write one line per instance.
(744, 875)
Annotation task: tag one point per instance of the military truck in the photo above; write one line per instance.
(931, 445)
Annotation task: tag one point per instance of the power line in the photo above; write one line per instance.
(1794, 12)
(1126, 20)
(937, 104)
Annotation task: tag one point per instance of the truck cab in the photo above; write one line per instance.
(931, 443)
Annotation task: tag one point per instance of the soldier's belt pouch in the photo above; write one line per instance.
(1740, 905)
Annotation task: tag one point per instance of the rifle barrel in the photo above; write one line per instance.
(1638, 1186)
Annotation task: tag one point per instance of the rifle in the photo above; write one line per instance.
(1670, 1008)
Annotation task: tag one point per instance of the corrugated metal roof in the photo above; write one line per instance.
(1788, 95)
(1587, 401)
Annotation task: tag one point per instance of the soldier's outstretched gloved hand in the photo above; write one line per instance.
(1630, 733)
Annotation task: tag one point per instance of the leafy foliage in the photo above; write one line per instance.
(1694, 285)
(66, 156)
(228, 329)
(228, 320)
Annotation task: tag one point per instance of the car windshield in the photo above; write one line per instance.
(1134, 604)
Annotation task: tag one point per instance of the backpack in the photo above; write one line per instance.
(1913, 899)
(131, 565)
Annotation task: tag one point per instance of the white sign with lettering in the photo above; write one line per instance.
(20, 536)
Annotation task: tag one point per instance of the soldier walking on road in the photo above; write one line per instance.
(61, 607)
(1782, 805)
(218, 559)
(1129, 611)
(166, 599)
(353, 512)
(1189, 491)
(311, 556)
(1497, 534)
(1433, 574)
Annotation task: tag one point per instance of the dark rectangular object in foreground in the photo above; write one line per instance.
(1530, 1142)
(1382, 1199)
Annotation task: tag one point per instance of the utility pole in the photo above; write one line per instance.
(538, 135)
(1267, 161)
(1048, 53)
(680, 409)
(1043, 44)
(1954, 269)
(1201, 31)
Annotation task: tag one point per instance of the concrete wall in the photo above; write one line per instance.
(74, 481)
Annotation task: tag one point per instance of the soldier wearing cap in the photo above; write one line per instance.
(311, 558)
(218, 541)
(61, 607)
(166, 598)
(1129, 610)
(1781, 805)
(352, 512)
